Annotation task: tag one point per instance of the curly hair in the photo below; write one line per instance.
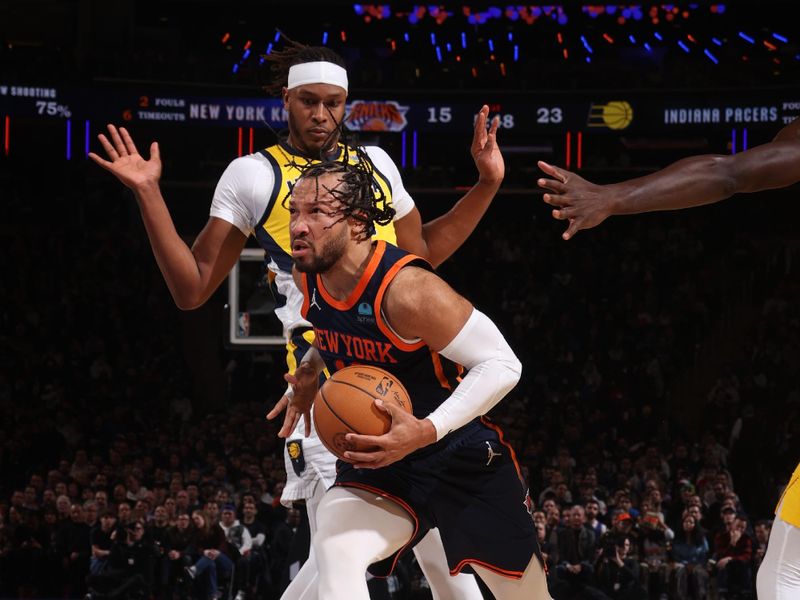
(295, 53)
(360, 198)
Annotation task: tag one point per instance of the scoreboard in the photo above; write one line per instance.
(650, 112)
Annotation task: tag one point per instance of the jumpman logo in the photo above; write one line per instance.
(492, 453)
(314, 300)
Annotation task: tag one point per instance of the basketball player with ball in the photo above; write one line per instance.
(443, 464)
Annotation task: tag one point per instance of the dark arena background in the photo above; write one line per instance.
(660, 351)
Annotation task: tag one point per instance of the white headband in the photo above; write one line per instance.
(317, 72)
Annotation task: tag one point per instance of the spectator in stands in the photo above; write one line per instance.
(210, 552)
(256, 571)
(101, 542)
(761, 532)
(574, 556)
(655, 536)
(101, 500)
(156, 532)
(689, 554)
(240, 545)
(129, 572)
(180, 550)
(91, 513)
(171, 509)
(592, 520)
(733, 553)
(211, 511)
(63, 508)
(74, 546)
(124, 514)
(617, 573)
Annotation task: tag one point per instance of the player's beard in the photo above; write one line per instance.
(320, 262)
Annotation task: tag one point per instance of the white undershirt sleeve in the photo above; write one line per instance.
(242, 192)
(493, 367)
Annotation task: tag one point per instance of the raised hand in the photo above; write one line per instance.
(406, 434)
(125, 162)
(582, 203)
(485, 151)
(297, 400)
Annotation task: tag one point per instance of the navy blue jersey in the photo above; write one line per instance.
(353, 331)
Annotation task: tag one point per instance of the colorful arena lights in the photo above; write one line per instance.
(710, 56)
(746, 37)
(69, 139)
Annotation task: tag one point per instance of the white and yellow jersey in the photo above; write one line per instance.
(788, 507)
(251, 193)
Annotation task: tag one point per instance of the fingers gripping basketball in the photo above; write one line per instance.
(345, 404)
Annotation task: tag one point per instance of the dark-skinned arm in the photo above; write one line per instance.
(689, 182)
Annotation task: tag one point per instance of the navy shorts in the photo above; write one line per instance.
(468, 485)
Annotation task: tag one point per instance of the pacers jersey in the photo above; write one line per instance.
(789, 504)
(272, 230)
(354, 331)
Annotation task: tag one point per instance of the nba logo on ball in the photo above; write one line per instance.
(384, 386)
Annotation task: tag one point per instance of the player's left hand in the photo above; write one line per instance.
(304, 382)
(485, 151)
(406, 434)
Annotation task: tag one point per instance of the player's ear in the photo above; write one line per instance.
(360, 228)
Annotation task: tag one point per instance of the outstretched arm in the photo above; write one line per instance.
(438, 239)
(689, 182)
(192, 274)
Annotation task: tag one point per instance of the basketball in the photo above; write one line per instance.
(345, 404)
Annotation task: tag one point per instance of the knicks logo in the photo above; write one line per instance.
(376, 116)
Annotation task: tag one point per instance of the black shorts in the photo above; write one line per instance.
(468, 485)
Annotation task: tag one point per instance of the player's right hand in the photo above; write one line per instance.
(124, 160)
(580, 202)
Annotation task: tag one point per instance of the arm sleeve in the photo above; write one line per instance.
(493, 367)
(402, 201)
(244, 187)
